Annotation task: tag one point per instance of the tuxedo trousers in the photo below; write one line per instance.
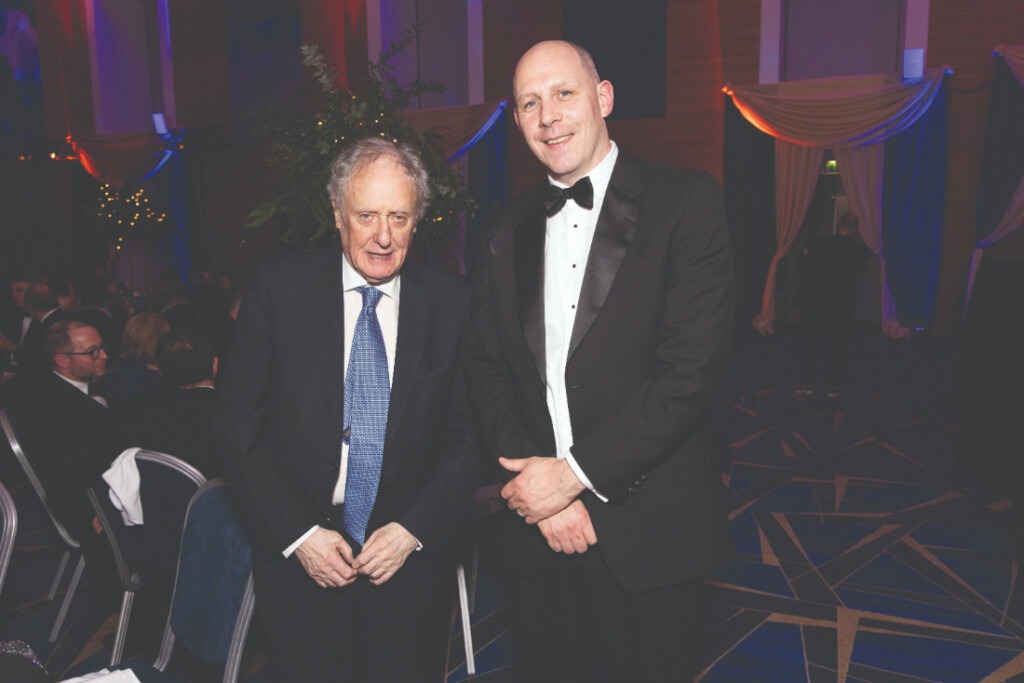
(353, 634)
(574, 622)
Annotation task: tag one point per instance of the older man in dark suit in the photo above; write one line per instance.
(344, 421)
(601, 331)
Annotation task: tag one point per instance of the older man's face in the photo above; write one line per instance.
(377, 220)
(560, 109)
(88, 359)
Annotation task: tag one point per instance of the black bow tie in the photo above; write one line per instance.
(582, 193)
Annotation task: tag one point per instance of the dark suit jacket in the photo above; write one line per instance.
(182, 425)
(279, 419)
(648, 350)
(70, 439)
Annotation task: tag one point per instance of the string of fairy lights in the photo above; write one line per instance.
(125, 211)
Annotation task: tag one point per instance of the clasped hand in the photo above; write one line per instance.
(328, 558)
(545, 492)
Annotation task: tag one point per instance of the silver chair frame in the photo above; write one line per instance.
(129, 579)
(71, 546)
(9, 515)
(233, 664)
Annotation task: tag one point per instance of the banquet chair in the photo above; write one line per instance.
(143, 553)
(8, 530)
(213, 597)
(486, 501)
(72, 548)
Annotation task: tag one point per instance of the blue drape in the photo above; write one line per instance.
(488, 180)
(913, 207)
(1002, 163)
(178, 215)
(749, 187)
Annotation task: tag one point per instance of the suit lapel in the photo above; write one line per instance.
(413, 316)
(326, 297)
(528, 259)
(620, 216)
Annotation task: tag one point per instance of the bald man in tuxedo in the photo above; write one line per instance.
(602, 322)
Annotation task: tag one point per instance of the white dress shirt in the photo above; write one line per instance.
(387, 316)
(568, 236)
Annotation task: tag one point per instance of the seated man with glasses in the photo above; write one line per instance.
(71, 437)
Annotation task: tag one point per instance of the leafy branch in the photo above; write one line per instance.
(303, 143)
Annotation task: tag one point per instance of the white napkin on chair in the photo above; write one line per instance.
(123, 479)
(107, 676)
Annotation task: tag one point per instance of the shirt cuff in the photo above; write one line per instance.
(575, 467)
(295, 546)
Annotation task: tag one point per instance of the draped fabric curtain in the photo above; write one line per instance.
(1003, 158)
(837, 113)
(796, 174)
(458, 128)
(1013, 55)
(120, 159)
(914, 210)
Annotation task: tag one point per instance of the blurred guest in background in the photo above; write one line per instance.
(828, 293)
(184, 419)
(134, 385)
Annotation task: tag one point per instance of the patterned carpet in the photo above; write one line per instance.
(866, 551)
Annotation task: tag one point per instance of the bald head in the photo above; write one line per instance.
(560, 107)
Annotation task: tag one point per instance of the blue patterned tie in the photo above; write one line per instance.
(367, 393)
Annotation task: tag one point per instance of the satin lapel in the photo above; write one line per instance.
(616, 225)
(529, 276)
(325, 300)
(414, 309)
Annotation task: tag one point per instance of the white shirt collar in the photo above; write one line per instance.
(81, 386)
(600, 175)
(350, 279)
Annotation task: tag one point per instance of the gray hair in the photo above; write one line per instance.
(358, 156)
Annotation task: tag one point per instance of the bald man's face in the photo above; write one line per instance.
(560, 108)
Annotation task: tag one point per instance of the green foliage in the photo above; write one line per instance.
(303, 144)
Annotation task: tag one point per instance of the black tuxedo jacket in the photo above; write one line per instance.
(648, 350)
(70, 439)
(182, 425)
(279, 419)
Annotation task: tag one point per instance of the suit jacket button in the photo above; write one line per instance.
(333, 467)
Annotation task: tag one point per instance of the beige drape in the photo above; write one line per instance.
(1013, 217)
(796, 174)
(837, 112)
(1013, 55)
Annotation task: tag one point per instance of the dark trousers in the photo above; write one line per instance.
(354, 634)
(838, 330)
(574, 622)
